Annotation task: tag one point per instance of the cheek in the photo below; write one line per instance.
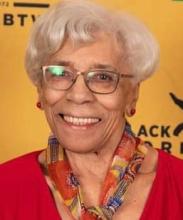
(113, 102)
(51, 97)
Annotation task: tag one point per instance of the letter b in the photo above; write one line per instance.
(8, 19)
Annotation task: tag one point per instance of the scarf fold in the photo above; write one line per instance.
(126, 162)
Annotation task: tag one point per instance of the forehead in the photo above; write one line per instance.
(103, 51)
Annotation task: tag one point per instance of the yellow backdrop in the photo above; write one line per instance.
(159, 116)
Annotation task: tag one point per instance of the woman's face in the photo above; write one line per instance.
(100, 116)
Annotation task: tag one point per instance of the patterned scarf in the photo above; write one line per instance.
(127, 160)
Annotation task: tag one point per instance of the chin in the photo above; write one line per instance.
(78, 146)
(80, 149)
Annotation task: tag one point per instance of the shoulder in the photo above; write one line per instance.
(164, 164)
(20, 169)
(156, 159)
(171, 159)
(170, 168)
(24, 193)
(21, 179)
(170, 162)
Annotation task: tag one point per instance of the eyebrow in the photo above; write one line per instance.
(103, 66)
(93, 66)
(62, 63)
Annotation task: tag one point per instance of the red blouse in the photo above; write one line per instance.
(24, 194)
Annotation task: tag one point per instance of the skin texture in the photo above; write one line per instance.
(81, 102)
(89, 147)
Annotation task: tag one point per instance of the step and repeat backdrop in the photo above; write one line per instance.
(159, 117)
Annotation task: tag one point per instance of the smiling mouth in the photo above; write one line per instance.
(79, 121)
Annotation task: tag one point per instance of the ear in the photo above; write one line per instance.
(132, 99)
(39, 99)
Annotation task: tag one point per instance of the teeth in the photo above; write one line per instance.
(80, 121)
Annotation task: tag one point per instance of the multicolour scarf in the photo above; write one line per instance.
(126, 162)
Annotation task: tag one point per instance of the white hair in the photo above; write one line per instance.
(79, 20)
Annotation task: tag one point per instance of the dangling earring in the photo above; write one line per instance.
(38, 105)
(132, 111)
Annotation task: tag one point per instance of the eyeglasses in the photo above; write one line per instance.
(98, 81)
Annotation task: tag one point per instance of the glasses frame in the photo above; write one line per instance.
(84, 74)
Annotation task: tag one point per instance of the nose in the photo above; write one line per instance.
(79, 92)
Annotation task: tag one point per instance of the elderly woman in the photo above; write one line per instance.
(87, 64)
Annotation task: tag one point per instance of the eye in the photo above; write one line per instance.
(105, 76)
(58, 72)
(102, 76)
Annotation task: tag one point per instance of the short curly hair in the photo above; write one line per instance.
(79, 20)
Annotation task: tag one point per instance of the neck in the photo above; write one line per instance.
(92, 164)
(91, 169)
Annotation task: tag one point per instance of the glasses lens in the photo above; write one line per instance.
(102, 81)
(58, 77)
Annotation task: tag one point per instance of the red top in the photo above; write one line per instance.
(24, 194)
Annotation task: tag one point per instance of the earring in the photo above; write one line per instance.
(38, 105)
(132, 111)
